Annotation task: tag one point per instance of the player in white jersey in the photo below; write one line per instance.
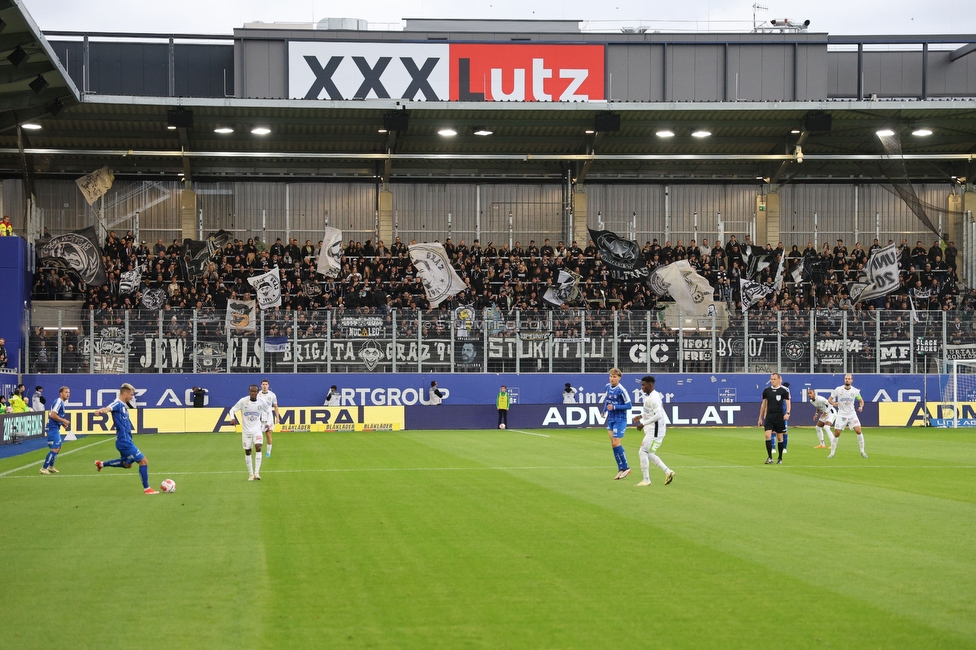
(272, 401)
(653, 421)
(843, 398)
(255, 420)
(823, 416)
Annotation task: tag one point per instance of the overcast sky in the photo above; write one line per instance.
(222, 16)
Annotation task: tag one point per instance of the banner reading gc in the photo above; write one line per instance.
(471, 72)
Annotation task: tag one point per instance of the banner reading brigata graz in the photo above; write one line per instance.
(470, 72)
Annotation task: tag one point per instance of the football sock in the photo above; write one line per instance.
(257, 462)
(860, 443)
(144, 475)
(769, 448)
(833, 442)
(49, 460)
(247, 461)
(654, 458)
(645, 463)
(786, 439)
(616, 458)
(820, 434)
(623, 458)
(269, 451)
(782, 445)
(115, 462)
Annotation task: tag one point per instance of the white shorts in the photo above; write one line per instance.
(249, 440)
(654, 436)
(841, 422)
(827, 417)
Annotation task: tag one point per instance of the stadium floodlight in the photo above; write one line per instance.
(223, 130)
(921, 133)
(447, 132)
(701, 133)
(665, 133)
(260, 130)
(885, 133)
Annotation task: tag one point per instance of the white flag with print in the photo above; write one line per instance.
(330, 257)
(434, 268)
(268, 288)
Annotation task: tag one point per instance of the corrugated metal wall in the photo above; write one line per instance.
(301, 210)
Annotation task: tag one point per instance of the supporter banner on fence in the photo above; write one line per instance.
(108, 350)
(363, 326)
(894, 354)
(242, 315)
(829, 352)
(365, 355)
(963, 352)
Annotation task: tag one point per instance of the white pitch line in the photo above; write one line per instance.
(484, 469)
(29, 465)
(529, 433)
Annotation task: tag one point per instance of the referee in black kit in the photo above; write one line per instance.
(773, 414)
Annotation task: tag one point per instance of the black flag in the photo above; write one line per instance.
(78, 251)
(197, 253)
(622, 257)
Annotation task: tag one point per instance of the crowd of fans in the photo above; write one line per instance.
(377, 278)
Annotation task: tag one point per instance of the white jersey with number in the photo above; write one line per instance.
(845, 398)
(255, 416)
(653, 417)
(271, 399)
(826, 410)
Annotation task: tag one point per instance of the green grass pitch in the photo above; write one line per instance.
(495, 539)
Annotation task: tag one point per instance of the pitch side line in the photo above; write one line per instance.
(478, 469)
(529, 433)
(38, 462)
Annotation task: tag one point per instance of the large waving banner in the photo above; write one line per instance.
(78, 251)
(268, 288)
(434, 268)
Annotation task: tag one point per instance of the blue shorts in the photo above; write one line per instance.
(617, 428)
(130, 454)
(54, 439)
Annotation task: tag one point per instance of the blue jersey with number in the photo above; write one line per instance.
(620, 398)
(53, 426)
(123, 425)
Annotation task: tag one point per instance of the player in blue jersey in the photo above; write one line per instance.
(128, 452)
(617, 412)
(56, 418)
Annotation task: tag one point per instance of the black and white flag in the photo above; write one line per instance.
(96, 184)
(621, 256)
(752, 292)
(130, 281)
(780, 272)
(268, 288)
(242, 315)
(690, 290)
(879, 277)
(565, 291)
(78, 251)
(196, 253)
(153, 299)
(433, 266)
(797, 272)
(330, 257)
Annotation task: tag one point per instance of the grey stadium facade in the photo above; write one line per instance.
(555, 128)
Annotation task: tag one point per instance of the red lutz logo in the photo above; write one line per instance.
(526, 73)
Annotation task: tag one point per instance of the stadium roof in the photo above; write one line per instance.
(528, 140)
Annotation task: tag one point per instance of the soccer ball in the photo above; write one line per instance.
(169, 485)
(501, 426)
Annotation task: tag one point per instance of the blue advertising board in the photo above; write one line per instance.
(402, 389)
